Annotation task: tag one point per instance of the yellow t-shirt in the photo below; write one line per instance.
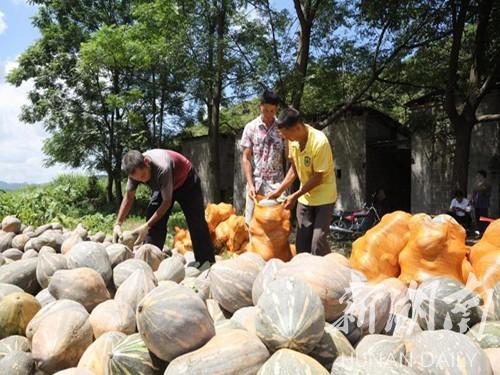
(317, 156)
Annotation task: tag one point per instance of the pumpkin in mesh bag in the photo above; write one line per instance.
(269, 231)
(376, 253)
(485, 257)
(231, 234)
(436, 248)
(182, 240)
(217, 213)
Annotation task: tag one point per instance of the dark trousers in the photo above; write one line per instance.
(478, 212)
(190, 198)
(313, 224)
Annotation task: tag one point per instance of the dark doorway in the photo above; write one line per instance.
(388, 167)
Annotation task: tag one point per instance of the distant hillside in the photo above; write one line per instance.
(8, 186)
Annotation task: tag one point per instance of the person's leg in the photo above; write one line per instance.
(158, 232)
(322, 219)
(482, 224)
(305, 226)
(190, 198)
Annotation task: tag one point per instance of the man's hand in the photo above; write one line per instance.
(117, 233)
(251, 192)
(141, 233)
(274, 195)
(290, 202)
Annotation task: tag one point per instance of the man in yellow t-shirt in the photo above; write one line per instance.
(312, 162)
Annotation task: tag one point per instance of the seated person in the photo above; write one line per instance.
(460, 209)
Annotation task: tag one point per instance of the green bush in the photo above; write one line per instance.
(71, 199)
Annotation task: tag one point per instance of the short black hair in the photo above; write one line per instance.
(482, 172)
(459, 193)
(132, 160)
(269, 97)
(288, 118)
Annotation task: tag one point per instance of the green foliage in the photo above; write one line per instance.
(73, 199)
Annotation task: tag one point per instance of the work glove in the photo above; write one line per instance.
(141, 233)
(117, 233)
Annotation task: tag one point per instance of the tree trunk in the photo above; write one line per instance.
(301, 63)
(463, 132)
(109, 186)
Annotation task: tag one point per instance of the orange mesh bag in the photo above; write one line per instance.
(376, 254)
(269, 231)
(182, 240)
(217, 213)
(436, 247)
(485, 257)
(231, 234)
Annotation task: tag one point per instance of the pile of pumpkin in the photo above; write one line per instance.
(71, 303)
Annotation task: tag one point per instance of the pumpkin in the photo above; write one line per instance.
(133, 290)
(486, 334)
(151, 254)
(286, 361)
(60, 340)
(400, 300)
(171, 269)
(485, 258)
(436, 248)
(494, 357)
(118, 253)
(231, 282)
(215, 310)
(290, 315)
(14, 343)
(371, 305)
(49, 263)
(376, 253)
(74, 371)
(402, 326)
(112, 316)
(83, 285)
(264, 277)
(19, 241)
(327, 278)
(131, 356)
(269, 231)
(16, 311)
(200, 286)
(50, 309)
(92, 255)
(17, 363)
(96, 356)
(6, 241)
(445, 351)
(11, 224)
(435, 305)
(6, 289)
(231, 352)
(338, 258)
(30, 254)
(381, 348)
(13, 254)
(52, 238)
(333, 344)
(123, 270)
(166, 328)
(44, 297)
(352, 365)
(69, 242)
(217, 213)
(246, 318)
(21, 273)
(223, 326)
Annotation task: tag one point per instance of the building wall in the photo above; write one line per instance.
(348, 137)
(197, 150)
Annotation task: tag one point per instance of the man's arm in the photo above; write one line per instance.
(125, 206)
(246, 161)
(290, 177)
(314, 181)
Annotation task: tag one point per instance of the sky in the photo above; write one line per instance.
(21, 155)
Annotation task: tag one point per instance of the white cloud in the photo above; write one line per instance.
(3, 24)
(21, 156)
